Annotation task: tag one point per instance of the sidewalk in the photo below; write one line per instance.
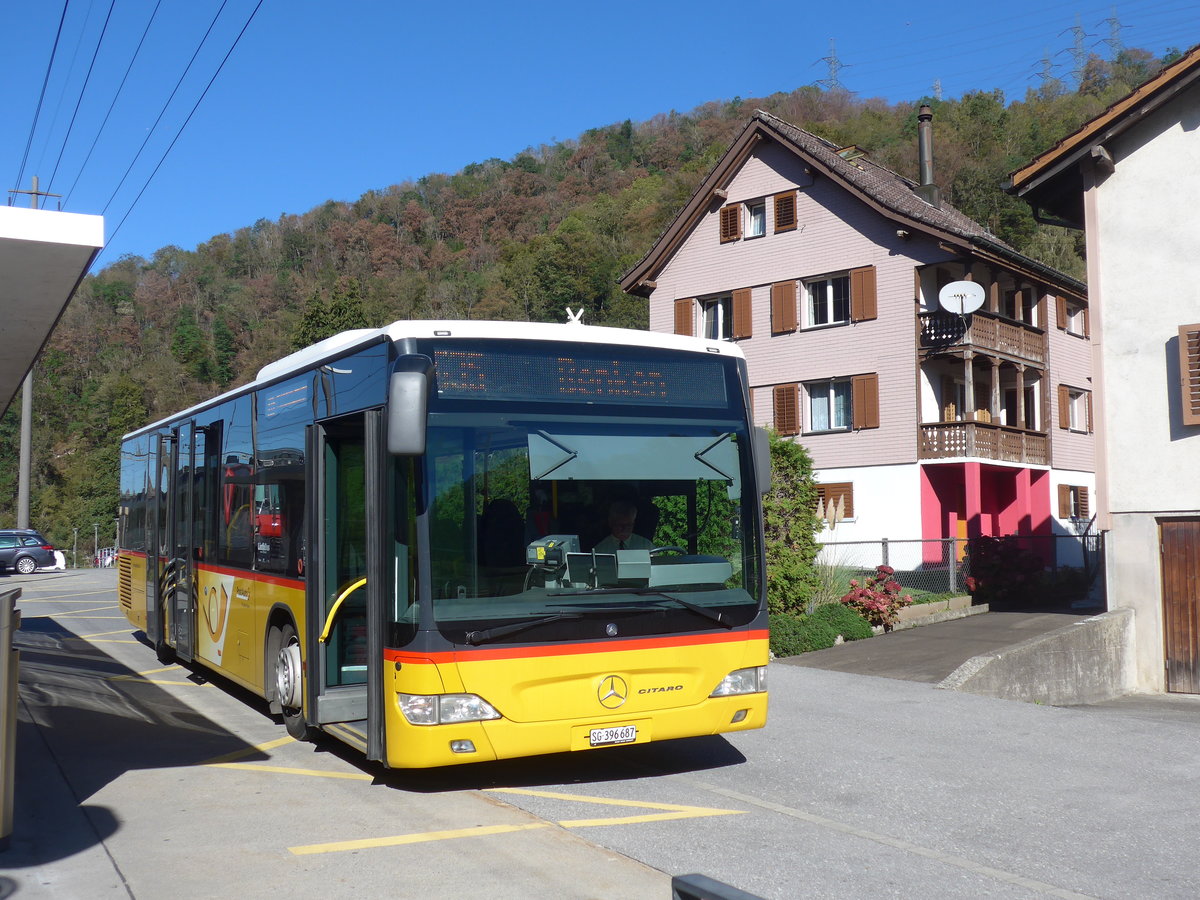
(930, 653)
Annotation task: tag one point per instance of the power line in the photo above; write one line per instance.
(41, 98)
(82, 91)
(200, 99)
(116, 96)
(163, 111)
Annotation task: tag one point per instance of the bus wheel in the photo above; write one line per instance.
(289, 683)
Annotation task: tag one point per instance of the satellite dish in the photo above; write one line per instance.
(961, 297)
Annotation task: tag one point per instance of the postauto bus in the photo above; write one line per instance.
(392, 535)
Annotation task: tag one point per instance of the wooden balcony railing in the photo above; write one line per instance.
(982, 440)
(983, 331)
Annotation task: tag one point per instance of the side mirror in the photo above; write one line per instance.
(762, 459)
(408, 404)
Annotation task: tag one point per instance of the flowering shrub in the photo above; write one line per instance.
(878, 599)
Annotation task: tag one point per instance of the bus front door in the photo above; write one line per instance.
(345, 622)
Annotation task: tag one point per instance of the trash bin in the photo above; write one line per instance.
(10, 621)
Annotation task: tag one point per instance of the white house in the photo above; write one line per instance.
(1131, 178)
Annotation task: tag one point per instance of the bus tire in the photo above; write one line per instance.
(165, 652)
(289, 683)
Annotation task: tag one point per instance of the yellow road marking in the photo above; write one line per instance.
(285, 770)
(80, 612)
(28, 595)
(103, 634)
(478, 831)
(247, 751)
(141, 678)
(670, 811)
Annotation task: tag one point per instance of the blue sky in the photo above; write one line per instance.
(322, 100)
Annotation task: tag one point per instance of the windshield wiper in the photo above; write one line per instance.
(704, 611)
(475, 638)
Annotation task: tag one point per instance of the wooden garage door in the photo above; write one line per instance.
(1181, 603)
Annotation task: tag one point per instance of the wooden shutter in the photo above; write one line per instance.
(1088, 398)
(783, 307)
(785, 212)
(865, 399)
(1085, 511)
(1189, 373)
(1064, 406)
(862, 294)
(684, 313)
(1060, 304)
(786, 400)
(741, 313)
(731, 222)
(827, 493)
(1064, 501)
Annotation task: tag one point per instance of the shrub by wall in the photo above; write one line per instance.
(792, 634)
(844, 621)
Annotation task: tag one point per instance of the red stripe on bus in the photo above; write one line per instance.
(259, 577)
(535, 650)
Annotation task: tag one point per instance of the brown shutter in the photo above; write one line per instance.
(1088, 398)
(1064, 407)
(1189, 373)
(731, 222)
(741, 313)
(862, 294)
(865, 399)
(783, 307)
(1061, 304)
(786, 399)
(684, 310)
(1064, 501)
(785, 212)
(1084, 506)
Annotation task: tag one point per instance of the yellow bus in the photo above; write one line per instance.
(409, 538)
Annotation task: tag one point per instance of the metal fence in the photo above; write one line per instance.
(942, 566)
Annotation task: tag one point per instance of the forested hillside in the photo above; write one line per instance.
(520, 239)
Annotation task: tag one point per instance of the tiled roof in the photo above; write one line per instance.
(882, 184)
(890, 193)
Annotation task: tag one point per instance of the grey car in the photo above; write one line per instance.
(24, 550)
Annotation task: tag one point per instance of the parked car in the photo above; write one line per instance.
(24, 550)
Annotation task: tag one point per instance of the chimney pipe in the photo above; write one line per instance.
(927, 190)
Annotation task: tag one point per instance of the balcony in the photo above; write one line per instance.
(982, 330)
(982, 440)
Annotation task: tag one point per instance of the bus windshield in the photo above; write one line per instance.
(567, 527)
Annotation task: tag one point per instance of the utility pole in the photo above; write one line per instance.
(25, 463)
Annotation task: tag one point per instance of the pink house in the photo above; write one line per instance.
(826, 268)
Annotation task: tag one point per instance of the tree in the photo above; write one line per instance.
(790, 525)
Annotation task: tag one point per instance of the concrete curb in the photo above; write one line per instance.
(932, 613)
(1089, 661)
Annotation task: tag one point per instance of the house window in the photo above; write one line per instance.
(718, 318)
(756, 218)
(835, 501)
(785, 212)
(1074, 409)
(1073, 502)
(1072, 316)
(829, 406)
(828, 301)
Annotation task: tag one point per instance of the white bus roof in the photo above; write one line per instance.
(346, 341)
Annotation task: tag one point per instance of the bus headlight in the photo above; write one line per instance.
(445, 709)
(742, 681)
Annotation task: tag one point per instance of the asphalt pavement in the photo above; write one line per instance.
(136, 780)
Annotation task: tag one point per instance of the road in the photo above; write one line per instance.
(175, 785)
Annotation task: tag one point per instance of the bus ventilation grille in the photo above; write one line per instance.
(125, 582)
